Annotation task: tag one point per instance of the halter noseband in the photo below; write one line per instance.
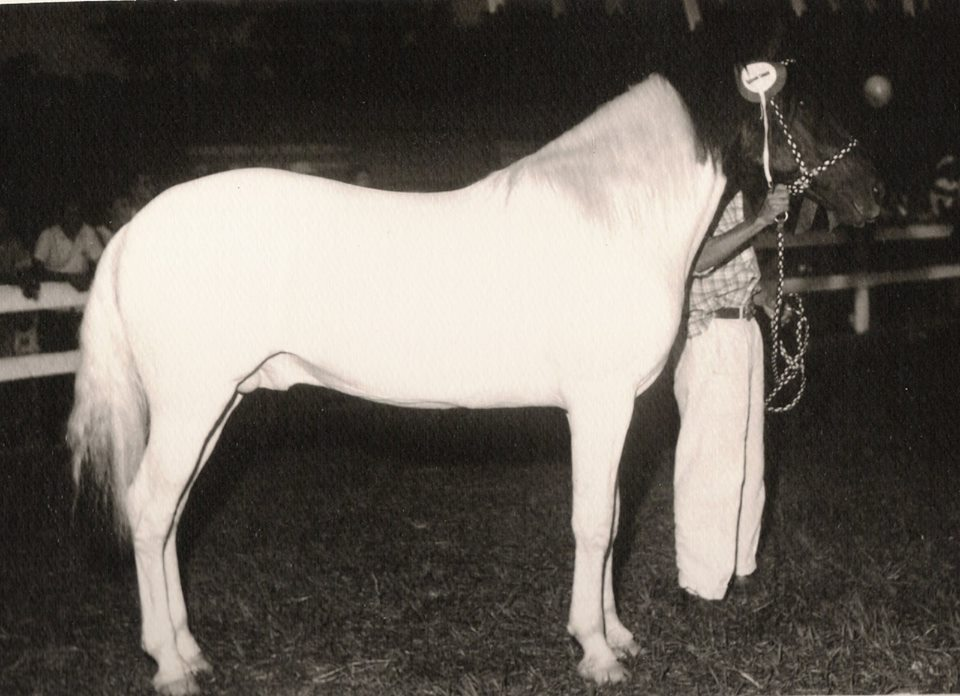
(807, 174)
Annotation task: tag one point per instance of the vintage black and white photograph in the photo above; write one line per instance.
(479, 347)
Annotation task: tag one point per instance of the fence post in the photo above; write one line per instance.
(861, 309)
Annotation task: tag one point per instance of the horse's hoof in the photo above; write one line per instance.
(179, 687)
(603, 670)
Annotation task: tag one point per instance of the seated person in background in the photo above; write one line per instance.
(69, 250)
(944, 193)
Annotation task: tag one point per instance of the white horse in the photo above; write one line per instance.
(558, 281)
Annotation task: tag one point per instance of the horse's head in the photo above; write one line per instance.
(809, 150)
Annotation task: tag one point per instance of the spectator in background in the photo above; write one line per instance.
(944, 193)
(67, 251)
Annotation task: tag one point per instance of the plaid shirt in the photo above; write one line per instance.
(731, 284)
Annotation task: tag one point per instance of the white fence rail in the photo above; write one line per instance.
(862, 282)
(53, 296)
(58, 296)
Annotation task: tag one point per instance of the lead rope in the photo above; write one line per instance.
(794, 368)
(793, 363)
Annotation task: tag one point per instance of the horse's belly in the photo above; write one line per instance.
(486, 346)
(411, 350)
(285, 370)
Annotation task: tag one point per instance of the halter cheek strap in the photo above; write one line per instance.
(766, 143)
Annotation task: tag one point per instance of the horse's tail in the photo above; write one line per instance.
(107, 430)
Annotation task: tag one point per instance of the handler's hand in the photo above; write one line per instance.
(776, 202)
(766, 298)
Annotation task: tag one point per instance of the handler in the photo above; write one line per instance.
(718, 475)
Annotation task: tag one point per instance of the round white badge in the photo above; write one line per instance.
(757, 79)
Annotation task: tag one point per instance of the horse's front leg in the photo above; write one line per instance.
(619, 637)
(598, 419)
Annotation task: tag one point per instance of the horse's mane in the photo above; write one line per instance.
(642, 113)
(644, 138)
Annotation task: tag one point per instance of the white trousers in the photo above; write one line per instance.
(718, 476)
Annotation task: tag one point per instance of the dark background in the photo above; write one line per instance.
(95, 94)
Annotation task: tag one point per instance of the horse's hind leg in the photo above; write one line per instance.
(154, 500)
(187, 646)
(152, 505)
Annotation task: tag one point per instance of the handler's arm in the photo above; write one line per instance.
(717, 249)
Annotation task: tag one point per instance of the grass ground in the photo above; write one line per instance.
(337, 548)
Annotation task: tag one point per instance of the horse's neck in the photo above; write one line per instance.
(635, 170)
